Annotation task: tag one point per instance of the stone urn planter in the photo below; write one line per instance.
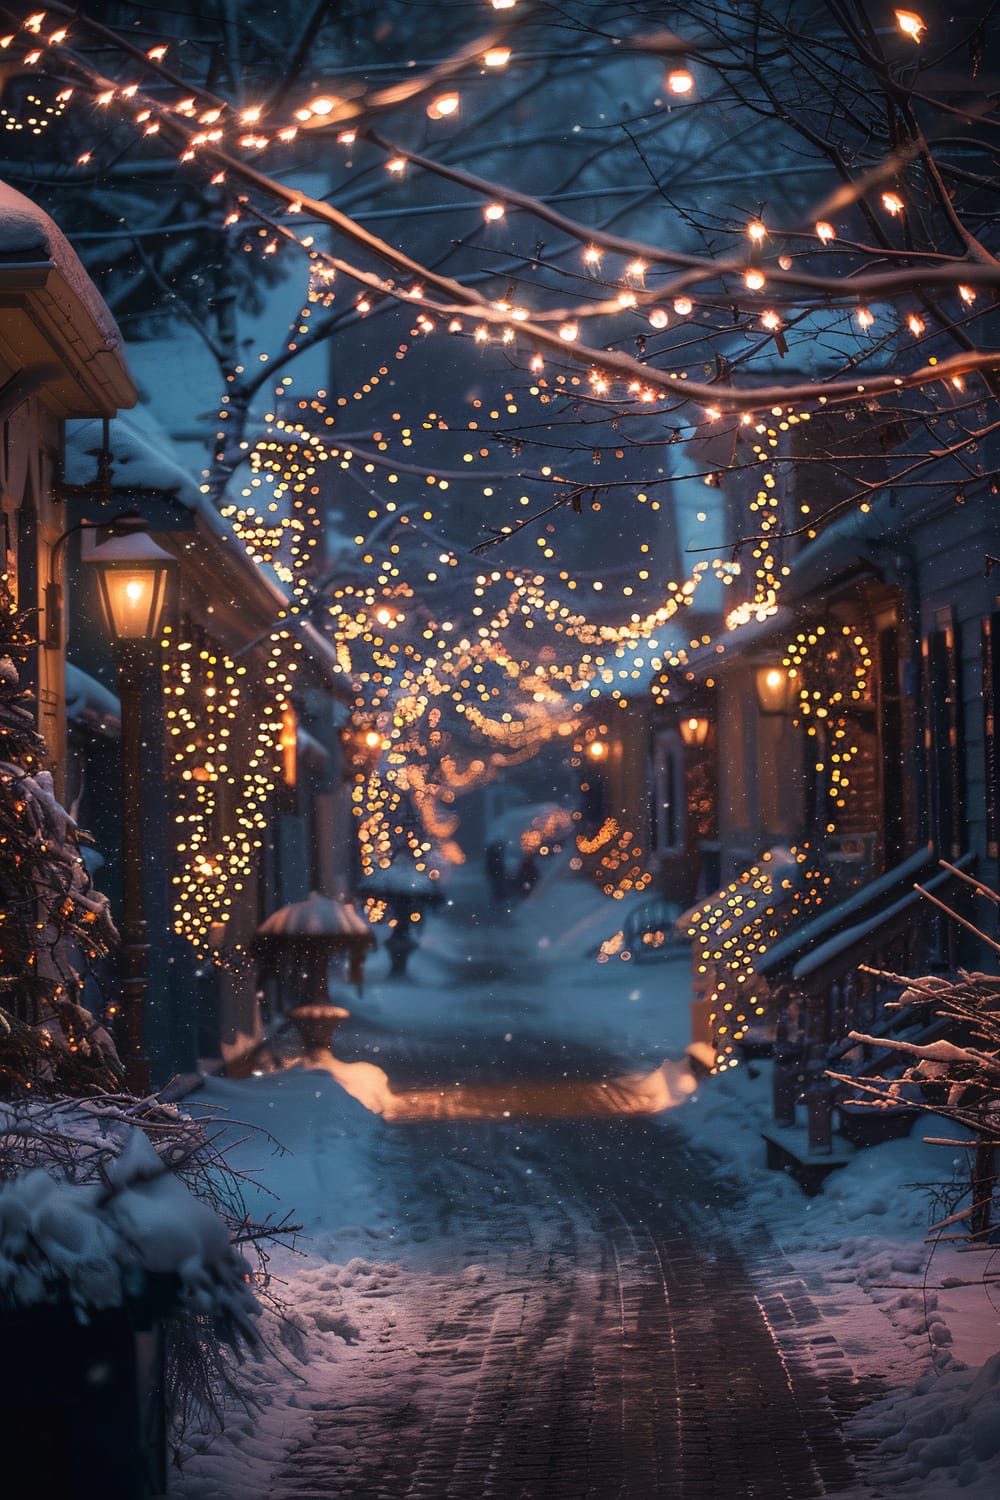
(298, 946)
(316, 1024)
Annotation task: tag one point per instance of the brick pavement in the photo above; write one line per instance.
(634, 1338)
(623, 1348)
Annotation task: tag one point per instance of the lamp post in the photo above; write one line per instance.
(134, 576)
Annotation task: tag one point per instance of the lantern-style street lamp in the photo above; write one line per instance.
(777, 687)
(134, 576)
(693, 730)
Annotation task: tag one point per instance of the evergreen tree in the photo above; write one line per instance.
(53, 922)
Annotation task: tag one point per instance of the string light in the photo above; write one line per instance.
(910, 24)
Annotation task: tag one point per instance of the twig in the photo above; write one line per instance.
(971, 926)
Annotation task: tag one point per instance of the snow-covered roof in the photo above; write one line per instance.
(27, 232)
(90, 704)
(144, 463)
(58, 310)
(636, 668)
(142, 460)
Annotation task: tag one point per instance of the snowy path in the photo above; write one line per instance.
(587, 1330)
(530, 1278)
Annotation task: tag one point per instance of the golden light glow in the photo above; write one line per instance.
(443, 106)
(910, 24)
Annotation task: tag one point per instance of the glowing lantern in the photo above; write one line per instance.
(776, 688)
(133, 575)
(694, 730)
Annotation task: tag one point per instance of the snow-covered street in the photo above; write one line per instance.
(537, 1260)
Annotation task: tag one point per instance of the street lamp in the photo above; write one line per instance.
(777, 687)
(694, 730)
(134, 577)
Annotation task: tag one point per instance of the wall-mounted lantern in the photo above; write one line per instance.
(133, 577)
(693, 730)
(777, 689)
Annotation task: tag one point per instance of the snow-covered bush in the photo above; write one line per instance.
(956, 1075)
(106, 1204)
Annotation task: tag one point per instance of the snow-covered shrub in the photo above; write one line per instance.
(106, 1203)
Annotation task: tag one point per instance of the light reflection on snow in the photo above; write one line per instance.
(546, 1099)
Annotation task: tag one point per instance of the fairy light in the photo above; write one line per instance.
(680, 81)
(438, 668)
(730, 933)
(910, 24)
(443, 106)
(892, 203)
